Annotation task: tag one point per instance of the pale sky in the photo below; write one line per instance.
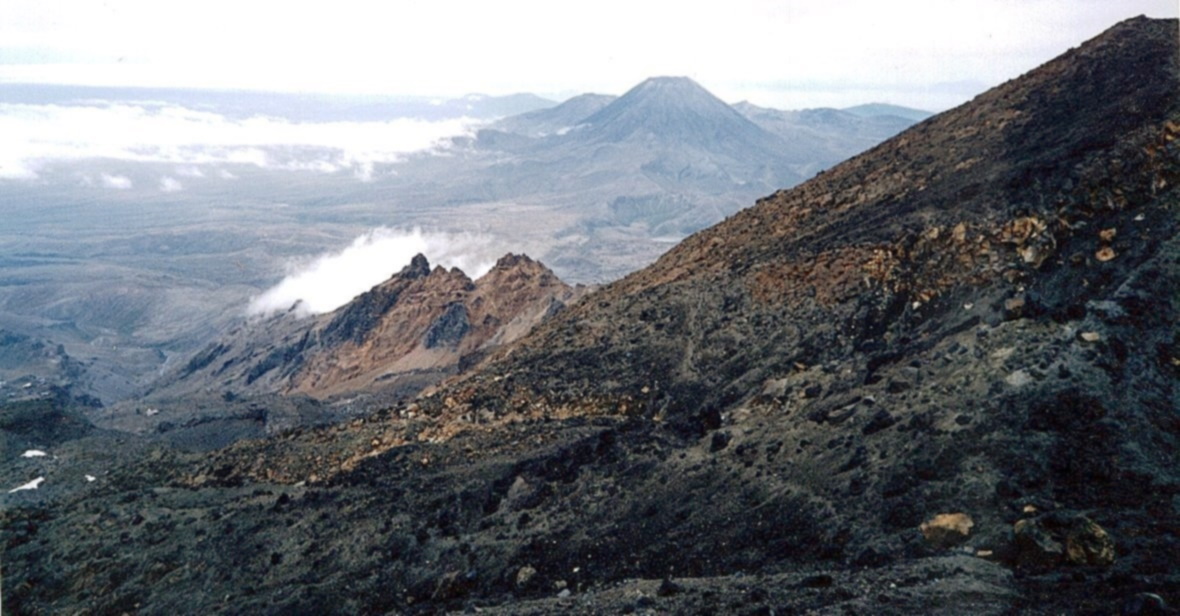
(785, 53)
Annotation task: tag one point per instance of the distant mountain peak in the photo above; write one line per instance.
(512, 269)
(681, 112)
(673, 81)
(679, 91)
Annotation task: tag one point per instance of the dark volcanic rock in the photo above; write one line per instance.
(885, 250)
(356, 319)
(449, 328)
(1061, 537)
(958, 276)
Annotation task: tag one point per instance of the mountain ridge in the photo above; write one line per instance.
(403, 334)
(755, 234)
(554, 120)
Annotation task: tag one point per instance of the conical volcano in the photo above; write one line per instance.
(677, 110)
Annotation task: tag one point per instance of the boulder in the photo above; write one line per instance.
(1062, 538)
(1145, 604)
(1035, 547)
(947, 529)
(525, 576)
(1087, 543)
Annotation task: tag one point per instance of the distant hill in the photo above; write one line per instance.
(665, 159)
(556, 120)
(482, 106)
(824, 136)
(870, 110)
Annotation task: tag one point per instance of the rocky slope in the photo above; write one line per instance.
(976, 316)
(409, 332)
(426, 321)
(939, 378)
(1040, 190)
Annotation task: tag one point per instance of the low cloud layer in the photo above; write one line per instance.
(36, 136)
(333, 279)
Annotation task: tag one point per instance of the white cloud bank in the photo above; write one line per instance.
(37, 135)
(332, 280)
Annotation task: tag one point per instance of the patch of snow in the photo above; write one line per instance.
(33, 453)
(32, 485)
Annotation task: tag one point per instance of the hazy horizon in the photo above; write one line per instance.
(786, 55)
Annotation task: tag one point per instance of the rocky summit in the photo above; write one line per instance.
(418, 327)
(412, 329)
(937, 378)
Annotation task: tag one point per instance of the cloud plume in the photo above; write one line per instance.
(333, 279)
